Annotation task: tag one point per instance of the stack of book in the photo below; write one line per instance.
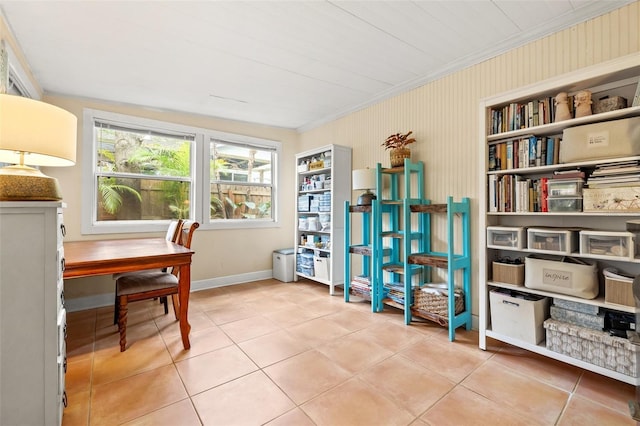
(624, 173)
(395, 292)
(361, 285)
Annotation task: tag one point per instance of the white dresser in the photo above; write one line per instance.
(32, 314)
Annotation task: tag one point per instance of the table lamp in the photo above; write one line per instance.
(37, 134)
(364, 179)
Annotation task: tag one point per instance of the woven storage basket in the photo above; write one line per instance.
(434, 304)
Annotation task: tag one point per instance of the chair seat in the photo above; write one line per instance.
(144, 282)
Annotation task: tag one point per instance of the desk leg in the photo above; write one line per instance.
(184, 290)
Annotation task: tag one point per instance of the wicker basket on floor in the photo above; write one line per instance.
(434, 305)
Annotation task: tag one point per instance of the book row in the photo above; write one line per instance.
(528, 151)
(517, 116)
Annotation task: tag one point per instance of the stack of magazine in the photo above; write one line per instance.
(624, 173)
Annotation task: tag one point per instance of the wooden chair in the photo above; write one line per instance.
(150, 285)
(173, 233)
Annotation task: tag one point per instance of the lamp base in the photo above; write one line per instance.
(24, 183)
(365, 198)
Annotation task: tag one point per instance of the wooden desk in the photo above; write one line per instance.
(105, 257)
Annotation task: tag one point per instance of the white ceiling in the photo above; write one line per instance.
(292, 64)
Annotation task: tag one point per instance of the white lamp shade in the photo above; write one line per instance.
(44, 133)
(364, 179)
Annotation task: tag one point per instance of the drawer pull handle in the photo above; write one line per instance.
(508, 302)
(64, 399)
(63, 230)
(63, 264)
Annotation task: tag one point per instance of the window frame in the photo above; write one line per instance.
(200, 176)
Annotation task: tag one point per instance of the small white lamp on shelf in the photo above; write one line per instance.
(33, 133)
(364, 179)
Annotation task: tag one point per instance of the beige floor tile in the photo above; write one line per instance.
(354, 320)
(449, 359)
(248, 328)
(229, 313)
(110, 364)
(214, 368)
(462, 406)
(354, 353)
(295, 417)
(78, 376)
(291, 316)
(202, 341)
(523, 394)
(273, 347)
(355, 403)
(581, 411)
(606, 391)
(548, 370)
(127, 399)
(407, 384)
(169, 326)
(180, 413)
(249, 400)
(391, 335)
(78, 408)
(317, 331)
(307, 375)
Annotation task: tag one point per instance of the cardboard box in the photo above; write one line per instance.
(568, 275)
(622, 199)
(609, 139)
(619, 291)
(508, 273)
(518, 315)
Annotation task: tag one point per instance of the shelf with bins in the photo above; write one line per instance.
(615, 78)
(323, 184)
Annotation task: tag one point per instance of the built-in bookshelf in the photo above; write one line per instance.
(515, 193)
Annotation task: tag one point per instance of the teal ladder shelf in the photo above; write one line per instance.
(394, 237)
(362, 247)
(450, 260)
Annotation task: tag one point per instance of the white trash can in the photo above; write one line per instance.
(284, 263)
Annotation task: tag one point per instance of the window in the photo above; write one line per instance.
(140, 173)
(241, 181)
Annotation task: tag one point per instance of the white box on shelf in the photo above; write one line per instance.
(568, 275)
(321, 267)
(518, 315)
(596, 141)
(506, 237)
(616, 245)
(552, 240)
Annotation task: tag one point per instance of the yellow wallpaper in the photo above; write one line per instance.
(444, 114)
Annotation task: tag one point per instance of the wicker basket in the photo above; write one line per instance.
(434, 305)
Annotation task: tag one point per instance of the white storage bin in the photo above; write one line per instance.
(321, 266)
(518, 315)
(564, 187)
(616, 245)
(567, 275)
(552, 240)
(601, 140)
(505, 237)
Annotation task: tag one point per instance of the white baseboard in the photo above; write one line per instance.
(107, 299)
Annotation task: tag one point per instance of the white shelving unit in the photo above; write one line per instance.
(323, 184)
(617, 77)
(32, 344)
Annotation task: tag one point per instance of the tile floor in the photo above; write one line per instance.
(289, 354)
